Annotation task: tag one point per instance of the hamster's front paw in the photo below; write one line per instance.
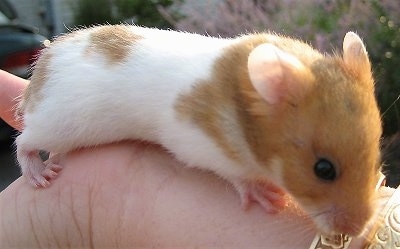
(269, 196)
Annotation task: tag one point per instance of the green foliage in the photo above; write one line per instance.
(89, 12)
(144, 11)
(326, 17)
(386, 60)
(141, 12)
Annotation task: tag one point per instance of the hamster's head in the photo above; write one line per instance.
(326, 132)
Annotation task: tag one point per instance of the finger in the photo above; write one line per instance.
(10, 88)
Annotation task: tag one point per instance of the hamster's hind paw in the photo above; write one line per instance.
(37, 172)
(43, 178)
(270, 197)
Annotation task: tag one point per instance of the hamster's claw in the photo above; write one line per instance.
(42, 180)
(39, 181)
(51, 172)
(52, 168)
(270, 197)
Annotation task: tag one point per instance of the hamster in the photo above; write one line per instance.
(267, 113)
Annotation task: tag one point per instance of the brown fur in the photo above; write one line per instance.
(210, 98)
(335, 117)
(31, 95)
(230, 89)
(114, 42)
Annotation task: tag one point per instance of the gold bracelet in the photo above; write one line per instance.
(342, 241)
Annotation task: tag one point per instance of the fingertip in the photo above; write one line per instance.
(11, 87)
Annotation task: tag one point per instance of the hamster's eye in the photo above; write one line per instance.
(325, 170)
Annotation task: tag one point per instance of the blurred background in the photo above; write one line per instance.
(26, 25)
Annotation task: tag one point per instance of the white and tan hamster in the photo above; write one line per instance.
(260, 110)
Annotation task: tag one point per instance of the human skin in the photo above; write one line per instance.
(136, 195)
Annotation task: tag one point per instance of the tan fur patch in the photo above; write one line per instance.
(208, 103)
(229, 97)
(210, 106)
(113, 41)
(31, 96)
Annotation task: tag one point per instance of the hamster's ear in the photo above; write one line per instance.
(275, 74)
(355, 56)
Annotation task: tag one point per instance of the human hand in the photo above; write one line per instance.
(131, 195)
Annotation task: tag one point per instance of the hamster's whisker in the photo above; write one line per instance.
(391, 105)
(320, 213)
